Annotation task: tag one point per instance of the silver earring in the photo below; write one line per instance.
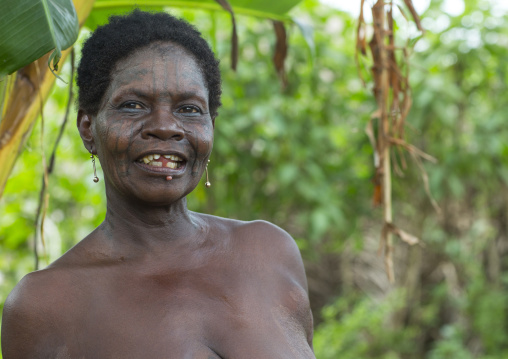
(95, 178)
(207, 183)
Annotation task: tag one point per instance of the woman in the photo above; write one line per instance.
(156, 280)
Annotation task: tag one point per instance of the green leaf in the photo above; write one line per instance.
(275, 10)
(279, 7)
(31, 28)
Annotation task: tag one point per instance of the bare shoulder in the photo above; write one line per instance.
(273, 243)
(263, 242)
(33, 314)
(267, 246)
(41, 311)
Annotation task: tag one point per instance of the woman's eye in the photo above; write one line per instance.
(132, 106)
(189, 109)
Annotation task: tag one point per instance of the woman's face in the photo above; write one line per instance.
(153, 124)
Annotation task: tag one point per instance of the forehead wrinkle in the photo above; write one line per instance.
(172, 68)
(164, 49)
(193, 79)
(121, 81)
(128, 72)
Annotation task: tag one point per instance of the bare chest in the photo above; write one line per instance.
(191, 315)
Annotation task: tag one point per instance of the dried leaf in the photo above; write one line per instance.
(392, 92)
(406, 237)
(412, 149)
(377, 198)
(403, 235)
(281, 50)
(234, 37)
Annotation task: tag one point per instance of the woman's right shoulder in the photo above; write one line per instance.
(33, 311)
(39, 291)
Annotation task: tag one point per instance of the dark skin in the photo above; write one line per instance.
(156, 280)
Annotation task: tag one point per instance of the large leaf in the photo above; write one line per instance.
(279, 7)
(31, 28)
(271, 9)
(21, 101)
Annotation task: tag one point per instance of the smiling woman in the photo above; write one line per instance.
(156, 280)
(154, 112)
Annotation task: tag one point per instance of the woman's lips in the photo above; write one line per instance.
(162, 170)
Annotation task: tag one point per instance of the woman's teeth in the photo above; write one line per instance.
(171, 164)
(171, 161)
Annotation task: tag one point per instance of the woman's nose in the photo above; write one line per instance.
(163, 125)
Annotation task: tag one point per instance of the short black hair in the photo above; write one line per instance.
(122, 36)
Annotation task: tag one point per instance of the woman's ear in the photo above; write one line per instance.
(84, 123)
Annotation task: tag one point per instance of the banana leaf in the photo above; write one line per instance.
(276, 10)
(31, 28)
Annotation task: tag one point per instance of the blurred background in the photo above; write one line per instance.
(298, 156)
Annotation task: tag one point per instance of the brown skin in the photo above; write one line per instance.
(156, 280)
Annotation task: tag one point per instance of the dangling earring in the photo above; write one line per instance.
(95, 178)
(207, 183)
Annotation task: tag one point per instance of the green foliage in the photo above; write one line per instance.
(46, 25)
(259, 8)
(359, 328)
(299, 157)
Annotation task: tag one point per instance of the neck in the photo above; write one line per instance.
(144, 226)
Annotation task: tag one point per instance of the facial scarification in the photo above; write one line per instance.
(121, 145)
(156, 106)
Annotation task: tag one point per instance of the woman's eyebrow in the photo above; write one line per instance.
(174, 95)
(200, 97)
(186, 95)
(189, 94)
(134, 91)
